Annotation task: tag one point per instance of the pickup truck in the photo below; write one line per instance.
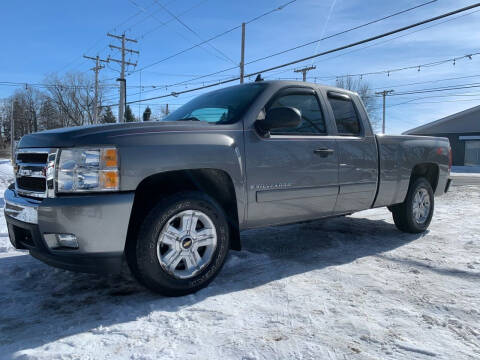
(170, 198)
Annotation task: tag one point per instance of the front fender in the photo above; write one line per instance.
(148, 154)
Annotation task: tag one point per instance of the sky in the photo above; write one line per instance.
(41, 38)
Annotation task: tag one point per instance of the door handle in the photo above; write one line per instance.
(323, 152)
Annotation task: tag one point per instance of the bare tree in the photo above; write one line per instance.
(363, 89)
(67, 101)
(73, 98)
(4, 118)
(49, 116)
(25, 104)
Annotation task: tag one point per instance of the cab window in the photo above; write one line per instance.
(313, 122)
(345, 115)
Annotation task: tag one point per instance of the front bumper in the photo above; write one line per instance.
(99, 222)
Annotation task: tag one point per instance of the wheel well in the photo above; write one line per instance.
(215, 183)
(428, 171)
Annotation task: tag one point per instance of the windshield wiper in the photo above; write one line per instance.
(192, 118)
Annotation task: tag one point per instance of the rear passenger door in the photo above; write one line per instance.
(357, 153)
(292, 174)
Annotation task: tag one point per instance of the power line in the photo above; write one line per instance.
(430, 81)
(370, 39)
(339, 33)
(145, 34)
(163, 23)
(198, 77)
(99, 40)
(441, 102)
(391, 71)
(144, 10)
(114, 29)
(434, 96)
(387, 40)
(445, 88)
(213, 38)
(417, 67)
(38, 85)
(193, 31)
(356, 43)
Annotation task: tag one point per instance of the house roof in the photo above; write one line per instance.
(462, 122)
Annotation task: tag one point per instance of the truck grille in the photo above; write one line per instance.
(31, 172)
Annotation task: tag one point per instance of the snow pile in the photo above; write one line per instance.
(346, 288)
(6, 178)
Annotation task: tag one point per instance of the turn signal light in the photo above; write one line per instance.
(109, 157)
(109, 179)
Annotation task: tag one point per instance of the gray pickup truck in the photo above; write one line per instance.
(171, 197)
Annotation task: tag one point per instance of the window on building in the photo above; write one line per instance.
(472, 153)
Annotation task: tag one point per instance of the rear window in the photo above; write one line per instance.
(345, 115)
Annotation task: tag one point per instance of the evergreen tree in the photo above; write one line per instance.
(146, 114)
(129, 117)
(108, 116)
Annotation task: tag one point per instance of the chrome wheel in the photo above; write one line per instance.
(421, 206)
(186, 244)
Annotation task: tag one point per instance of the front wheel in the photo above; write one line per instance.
(415, 213)
(182, 244)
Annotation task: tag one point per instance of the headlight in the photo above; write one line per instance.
(88, 169)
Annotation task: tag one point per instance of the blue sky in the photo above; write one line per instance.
(41, 38)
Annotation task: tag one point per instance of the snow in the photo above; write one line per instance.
(466, 170)
(466, 174)
(345, 288)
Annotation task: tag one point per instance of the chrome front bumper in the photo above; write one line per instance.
(98, 221)
(20, 208)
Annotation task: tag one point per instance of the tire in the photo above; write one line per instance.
(187, 257)
(413, 215)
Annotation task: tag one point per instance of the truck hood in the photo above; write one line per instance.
(100, 134)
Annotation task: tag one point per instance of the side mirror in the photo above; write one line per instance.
(281, 117)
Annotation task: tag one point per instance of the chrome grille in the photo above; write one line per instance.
(33, 172)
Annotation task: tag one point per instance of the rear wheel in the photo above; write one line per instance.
(182, 244)
(415, 213)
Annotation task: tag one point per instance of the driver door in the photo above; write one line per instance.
(292, 173)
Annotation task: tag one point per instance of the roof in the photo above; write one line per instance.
(462, 122)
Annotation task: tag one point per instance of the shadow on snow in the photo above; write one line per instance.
(41, 304)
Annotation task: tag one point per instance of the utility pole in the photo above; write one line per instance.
(304, 71)
(139, 103)
(384, 94)
(96, 69)
(242, 56)
(12, 132)
(122, 62)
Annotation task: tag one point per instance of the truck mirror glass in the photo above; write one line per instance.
(280, 117)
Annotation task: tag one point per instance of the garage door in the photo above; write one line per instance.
(472, 153)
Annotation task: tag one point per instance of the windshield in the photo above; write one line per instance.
(224, 106)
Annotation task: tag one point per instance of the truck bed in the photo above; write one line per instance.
(398, 156)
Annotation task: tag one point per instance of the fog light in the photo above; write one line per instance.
(55, 241)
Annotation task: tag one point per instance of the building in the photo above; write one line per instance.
(463, 131)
